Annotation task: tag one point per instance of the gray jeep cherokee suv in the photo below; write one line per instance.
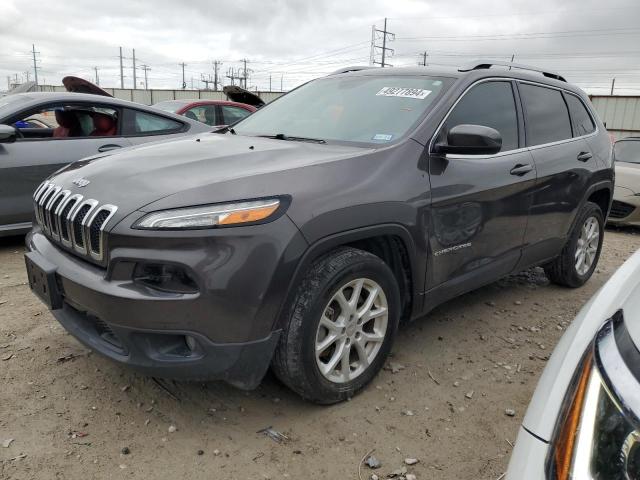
(300, 237)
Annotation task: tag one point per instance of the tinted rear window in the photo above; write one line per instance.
(582, 121)
(546, 115)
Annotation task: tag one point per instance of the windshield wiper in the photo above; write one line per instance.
(282, 136)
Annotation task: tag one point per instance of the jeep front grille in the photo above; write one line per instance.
(74, 221)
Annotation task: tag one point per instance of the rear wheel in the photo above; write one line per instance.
(579, 258)
(341, 326)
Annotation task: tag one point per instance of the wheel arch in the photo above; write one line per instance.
(391, 242)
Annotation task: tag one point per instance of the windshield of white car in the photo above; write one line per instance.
(370, 109)
(627, 151)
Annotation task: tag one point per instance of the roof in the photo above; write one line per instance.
(472, 74)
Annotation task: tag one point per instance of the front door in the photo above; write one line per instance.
(25, 163)
(480, 203)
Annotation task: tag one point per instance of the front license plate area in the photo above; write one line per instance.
(42, 280)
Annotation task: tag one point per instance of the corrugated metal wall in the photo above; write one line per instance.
(149, 97)
(621, 114)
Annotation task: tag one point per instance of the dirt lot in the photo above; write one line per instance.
(71, 413)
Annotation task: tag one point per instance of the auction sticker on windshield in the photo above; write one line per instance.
(418, 93)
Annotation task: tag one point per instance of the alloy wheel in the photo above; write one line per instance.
(587, 247)
(351, 330)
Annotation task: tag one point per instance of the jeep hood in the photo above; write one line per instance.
(136, 177)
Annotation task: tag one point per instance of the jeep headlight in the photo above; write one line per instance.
(598, 437)
(210, 216)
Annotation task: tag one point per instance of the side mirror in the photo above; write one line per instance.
(471, 140)
(8, 134)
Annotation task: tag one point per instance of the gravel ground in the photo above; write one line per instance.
(73, 414)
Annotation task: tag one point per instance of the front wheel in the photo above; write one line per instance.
(340, 327)
(579, 258)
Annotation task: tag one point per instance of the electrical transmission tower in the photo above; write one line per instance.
(381, 50)
(206, 80)
(145, 68)
(216, 65)
(423, 59)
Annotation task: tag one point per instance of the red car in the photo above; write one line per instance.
(216, 113)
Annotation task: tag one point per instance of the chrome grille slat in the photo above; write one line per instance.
(76, 222)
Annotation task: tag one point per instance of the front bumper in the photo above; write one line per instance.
(223, 332)
(625, 209)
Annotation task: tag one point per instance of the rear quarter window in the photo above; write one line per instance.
(583, 124)
(546, 114)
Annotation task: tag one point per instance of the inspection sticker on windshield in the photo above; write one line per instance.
(418, 93)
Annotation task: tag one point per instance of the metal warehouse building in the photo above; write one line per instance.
(620, 114)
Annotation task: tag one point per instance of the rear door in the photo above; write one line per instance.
(28, 161)
(564, 163)
(480, 203)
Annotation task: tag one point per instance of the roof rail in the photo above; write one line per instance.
(486, 64)
(350, 69)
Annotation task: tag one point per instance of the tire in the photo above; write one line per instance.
(564, 270)
(295, 361)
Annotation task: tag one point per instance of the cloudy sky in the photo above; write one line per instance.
(291, 41)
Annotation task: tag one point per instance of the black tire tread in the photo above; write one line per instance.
(562, 271)
(288, 361)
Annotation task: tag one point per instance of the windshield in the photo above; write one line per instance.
(368, 109)
(171, 105)
(627, 151)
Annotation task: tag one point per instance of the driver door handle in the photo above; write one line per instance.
(520, 169)
(109, 146)
(584, 156)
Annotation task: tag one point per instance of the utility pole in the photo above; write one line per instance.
(424, 59)
(121, 71)
(8, 82)
(281, 77)
(386, 36)
(134, 69)
(35, 62)
(269, 82)
(26, 74)
(216, 65)
(613, 84)
(245, 73)
(184, 84)
(97, 78)
(145, 68)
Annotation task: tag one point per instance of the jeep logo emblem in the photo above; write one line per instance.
(81, 182)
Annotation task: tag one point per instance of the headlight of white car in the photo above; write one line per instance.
(598, 434)
(209, 216)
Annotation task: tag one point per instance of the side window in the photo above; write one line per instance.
(233, 114)
(582, 122)
(546, 115)
(490, 104)
(204, 113)
(137, 122)
(68, 121)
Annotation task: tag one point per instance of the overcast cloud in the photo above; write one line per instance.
(589, 41)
